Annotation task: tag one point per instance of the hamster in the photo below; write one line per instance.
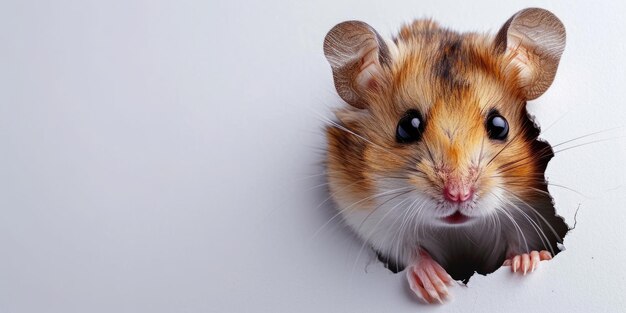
(435, 162)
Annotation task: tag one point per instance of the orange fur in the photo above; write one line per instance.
(456, 102)
(448, 190)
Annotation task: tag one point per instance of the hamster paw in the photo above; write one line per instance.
(527, 261)
(428, 279)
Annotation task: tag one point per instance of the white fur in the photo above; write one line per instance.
(398, 225)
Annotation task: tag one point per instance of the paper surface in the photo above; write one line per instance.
(158, 157)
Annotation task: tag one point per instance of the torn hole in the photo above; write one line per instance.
(463, 264)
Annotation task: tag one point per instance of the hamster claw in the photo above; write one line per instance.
(428, 280)
(527, 262)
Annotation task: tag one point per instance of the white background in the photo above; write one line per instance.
(157, 157)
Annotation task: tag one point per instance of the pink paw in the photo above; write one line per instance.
(428, 279)
(527, 261)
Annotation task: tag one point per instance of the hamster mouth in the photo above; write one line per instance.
(456, 218)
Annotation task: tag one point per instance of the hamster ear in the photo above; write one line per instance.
(356, 54)
(532, 40)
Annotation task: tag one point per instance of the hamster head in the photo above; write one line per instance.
(436, 127)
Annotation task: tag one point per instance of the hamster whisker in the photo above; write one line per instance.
(556, 121)
(511, 165)
(542, 235)
(588, 143)
(505, 146)
(406, 218)
(548, 149)
(341, 127)
(398, 233)
(587, 135)
(343, 210)
(430, 155)
(332, 195)
(416, 172)
(324, 173)
(496, 155)
(318, 186)
(379, 206)
(533, 224)
(339, 190)
(398, 177)
(310, 176)
(497, 230)
(371, 233)
(512, 194)
(568, 188)
(344, 128)
(529, 177)
(538, 180)
(549, 184)
(518, 229)
(480, 155)
(418, 219)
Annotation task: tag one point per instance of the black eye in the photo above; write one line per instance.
(410, 127)
(497, 127)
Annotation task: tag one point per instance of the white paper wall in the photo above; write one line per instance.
(157, 157)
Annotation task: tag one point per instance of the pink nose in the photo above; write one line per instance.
(457, 193)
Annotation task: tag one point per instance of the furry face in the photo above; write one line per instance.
(437, 150)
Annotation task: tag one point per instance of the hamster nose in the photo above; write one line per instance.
(457, 193)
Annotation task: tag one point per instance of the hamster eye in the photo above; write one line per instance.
(497, 126)
(410, 127)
